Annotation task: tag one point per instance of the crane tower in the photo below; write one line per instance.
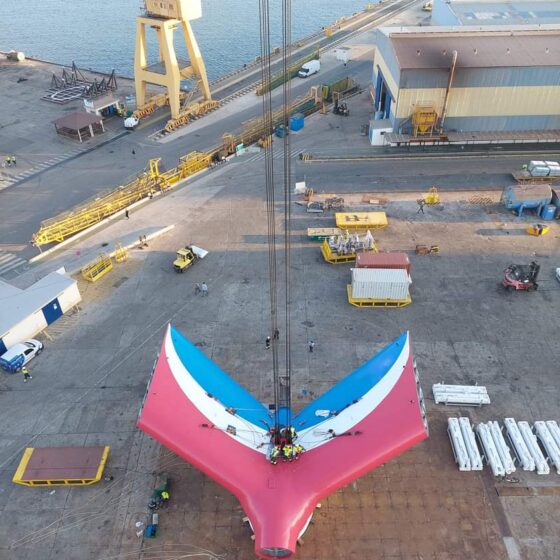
(165, 16)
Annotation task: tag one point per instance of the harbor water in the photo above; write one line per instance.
(100, 35)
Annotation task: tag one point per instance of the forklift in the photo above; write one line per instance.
(521, 277)
(186, 256)
(340, 108)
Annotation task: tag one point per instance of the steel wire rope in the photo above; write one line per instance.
(264, 20)
(286, 99)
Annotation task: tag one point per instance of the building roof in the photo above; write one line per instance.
(7, 291)
(77, 120)
(487, 47)
(16, 305)
(471, 12)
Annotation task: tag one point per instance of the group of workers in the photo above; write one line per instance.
(285, 446)
(10, 161)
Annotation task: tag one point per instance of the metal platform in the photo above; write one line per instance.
(482, 137)
(376, 302)
(61, 466)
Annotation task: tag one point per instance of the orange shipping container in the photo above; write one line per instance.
(383, 260)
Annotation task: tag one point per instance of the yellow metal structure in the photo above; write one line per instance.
(95, 270)
(538, 230)
(190, 112)
(361, 220)
(318, 234)
(19, 474)
(376, 302)
(432, 196)
(95, 210)
(335, 258)
(185, 258)
(164, 16)
(121, 253)
(424, 119)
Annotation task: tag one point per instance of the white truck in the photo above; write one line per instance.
(309, 68)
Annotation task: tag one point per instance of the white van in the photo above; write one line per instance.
(309, 68)
(18, 355)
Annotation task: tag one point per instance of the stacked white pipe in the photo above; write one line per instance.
(458, 444)
(470, 444)
(521, 450)
(548, 442)
(502, 447)
(533, 447)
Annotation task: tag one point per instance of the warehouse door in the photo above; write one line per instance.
(2, 347)
(52, 311)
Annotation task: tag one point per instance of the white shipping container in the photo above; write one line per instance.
(380, 283)
(540, 171)
(551, 163)
(534, 163)
(554, 170)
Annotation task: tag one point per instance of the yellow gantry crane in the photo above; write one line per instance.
(165, 16)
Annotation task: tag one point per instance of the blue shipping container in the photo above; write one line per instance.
(548, 212)
(297, 122)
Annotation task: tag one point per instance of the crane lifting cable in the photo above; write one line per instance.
(282, 383)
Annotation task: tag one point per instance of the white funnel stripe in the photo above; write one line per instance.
(355, 413)
(247, 433)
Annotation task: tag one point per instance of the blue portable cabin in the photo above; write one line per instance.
(523, 197)
(556, 201)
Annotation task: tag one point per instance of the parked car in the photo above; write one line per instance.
(18, 355)
(558, 274)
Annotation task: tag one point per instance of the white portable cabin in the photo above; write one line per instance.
(24, 313)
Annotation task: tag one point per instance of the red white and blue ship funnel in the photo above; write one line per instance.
(201, 414)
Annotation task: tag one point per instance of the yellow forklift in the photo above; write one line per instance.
(186, 256)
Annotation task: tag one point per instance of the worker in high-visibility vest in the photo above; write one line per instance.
(298, 450)
(287, 450)
(165, 495)
(275, 454)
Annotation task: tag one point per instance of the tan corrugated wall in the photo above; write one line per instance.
(483, 101)
(387, 76)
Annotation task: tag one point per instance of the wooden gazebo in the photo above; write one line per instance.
(79, 125)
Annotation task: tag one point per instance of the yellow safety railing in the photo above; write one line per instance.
(121, 253)
(98, 268)
(95, 210)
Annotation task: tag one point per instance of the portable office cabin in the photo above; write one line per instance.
(24, 313)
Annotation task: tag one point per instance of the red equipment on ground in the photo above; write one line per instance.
(521, 277)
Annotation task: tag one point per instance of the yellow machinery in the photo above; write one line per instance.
(361, 220)
(98, 268)
(357, 302)
(164, 16)
(424, 119)
(538, 230)
(185, 258)
(331, 255)
(432, 197)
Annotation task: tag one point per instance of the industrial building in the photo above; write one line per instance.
(430, 81)
(487, 12)
(24, 313)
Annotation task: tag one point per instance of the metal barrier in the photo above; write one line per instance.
(121, 253)
(279, 79)
(98, 268)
